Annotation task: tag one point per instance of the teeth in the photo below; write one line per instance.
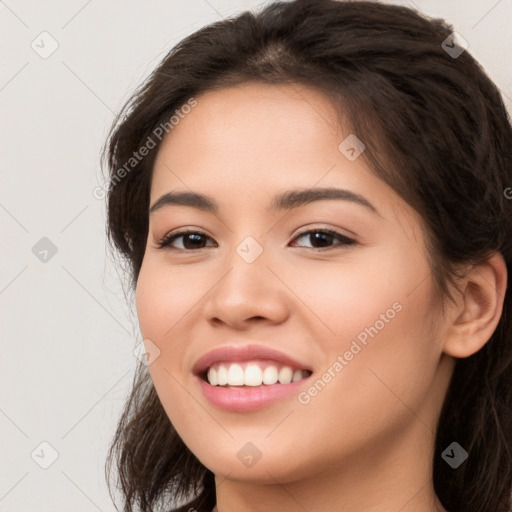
(270, 375)
(213, 378)
(222, 376)
(234, 374)
(285, 375)
(297, 375)
(253, 375)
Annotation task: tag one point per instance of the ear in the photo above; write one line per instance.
(478, 307)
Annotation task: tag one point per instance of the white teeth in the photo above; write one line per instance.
(234, 374)
(270, 375)
(285, 375)
(222, 376)
(212, 376)
(297, 375)
(253, 375)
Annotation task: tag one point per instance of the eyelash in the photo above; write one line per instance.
(168, 239)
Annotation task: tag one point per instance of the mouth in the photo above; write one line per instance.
(252, 374)
(249, 377)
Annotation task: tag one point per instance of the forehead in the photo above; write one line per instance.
(249, 118)
(251, 127)
(259, 138)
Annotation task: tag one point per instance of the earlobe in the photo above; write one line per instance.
(478, 308)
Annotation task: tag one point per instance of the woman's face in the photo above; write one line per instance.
(358, 313)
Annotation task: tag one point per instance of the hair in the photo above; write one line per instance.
(435, 130)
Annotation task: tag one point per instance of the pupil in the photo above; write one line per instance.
(320, 237)
(191, 236)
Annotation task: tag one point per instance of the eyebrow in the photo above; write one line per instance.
(285, 201)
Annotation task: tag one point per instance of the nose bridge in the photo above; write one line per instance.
(248, 288)
(249, 249)
(248, 270)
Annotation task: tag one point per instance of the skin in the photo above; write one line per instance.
(365, 441)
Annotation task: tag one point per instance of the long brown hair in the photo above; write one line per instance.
(435, 129)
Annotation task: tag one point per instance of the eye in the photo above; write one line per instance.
(320, 239)
(190, 237)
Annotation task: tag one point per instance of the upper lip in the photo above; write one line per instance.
(245, 353)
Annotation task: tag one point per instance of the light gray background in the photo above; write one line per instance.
(68, 334)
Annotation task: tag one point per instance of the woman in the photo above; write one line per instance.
(314, 203)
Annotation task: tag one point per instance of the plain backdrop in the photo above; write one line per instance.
(68, 331)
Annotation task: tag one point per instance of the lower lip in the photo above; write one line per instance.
(248, 398)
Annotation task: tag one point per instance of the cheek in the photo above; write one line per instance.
(149, 299)
(167, 300)
(353, 296)
(382, 382)
(163, 298)
(379, 321)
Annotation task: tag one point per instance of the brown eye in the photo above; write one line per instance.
(322, 238)
(191, 240)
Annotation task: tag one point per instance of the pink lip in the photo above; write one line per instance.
(245, 353)
(246, 398)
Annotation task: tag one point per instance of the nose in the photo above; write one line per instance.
(248, 292)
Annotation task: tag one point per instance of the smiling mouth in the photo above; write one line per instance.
(252, 374)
